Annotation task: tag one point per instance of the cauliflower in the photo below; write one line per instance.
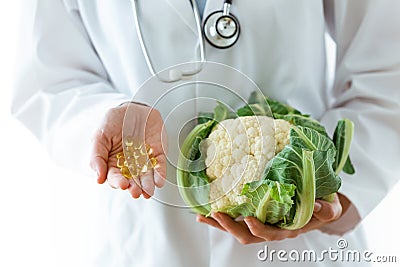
(223, 161)
(237, 152)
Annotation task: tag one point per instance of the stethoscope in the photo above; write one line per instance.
(221, 29)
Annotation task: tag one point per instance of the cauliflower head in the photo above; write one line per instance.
(237, 153)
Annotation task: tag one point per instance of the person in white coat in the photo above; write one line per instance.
(81, 62)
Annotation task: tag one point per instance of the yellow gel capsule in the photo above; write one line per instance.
(134, 170)
(128, 160)
(126, 173)
(143, 150)
(137, 145)
(148, 149)
(128, 150)
(136, 159)
(120, 162)
(128, 141)
(144, 168)
(136, 155)
(141, 160)
(153, 162)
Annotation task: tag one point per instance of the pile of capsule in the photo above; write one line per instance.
(136, 159)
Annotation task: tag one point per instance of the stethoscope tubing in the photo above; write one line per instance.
(145, 51)
(200, 30)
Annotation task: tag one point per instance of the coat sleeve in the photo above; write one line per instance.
(62, 89)
(367, 91)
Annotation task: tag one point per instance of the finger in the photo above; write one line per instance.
(209, 221)
(116, 179)
(147, 184)
(313, 224)
(160, 171)
(145, 195)
(134, 187)
(155, 133)
(156, 136)
(99, 156)
(329, 211)
(239, 231)
(268, 232)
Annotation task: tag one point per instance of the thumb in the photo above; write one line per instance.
(327, 211)
(99, 156)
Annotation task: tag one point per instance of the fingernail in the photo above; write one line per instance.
(317, 206)
(97, 175)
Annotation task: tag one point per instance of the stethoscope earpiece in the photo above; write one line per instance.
(221, 28)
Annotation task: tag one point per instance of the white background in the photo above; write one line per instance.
(46, 213)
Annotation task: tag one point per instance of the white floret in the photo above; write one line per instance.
(238, 151)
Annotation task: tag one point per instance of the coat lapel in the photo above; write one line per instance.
(184, 12)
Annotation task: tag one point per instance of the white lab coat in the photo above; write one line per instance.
(80, 57)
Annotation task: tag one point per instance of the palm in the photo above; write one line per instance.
(140, 122)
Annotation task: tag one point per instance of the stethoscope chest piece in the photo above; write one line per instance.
(221, 28)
